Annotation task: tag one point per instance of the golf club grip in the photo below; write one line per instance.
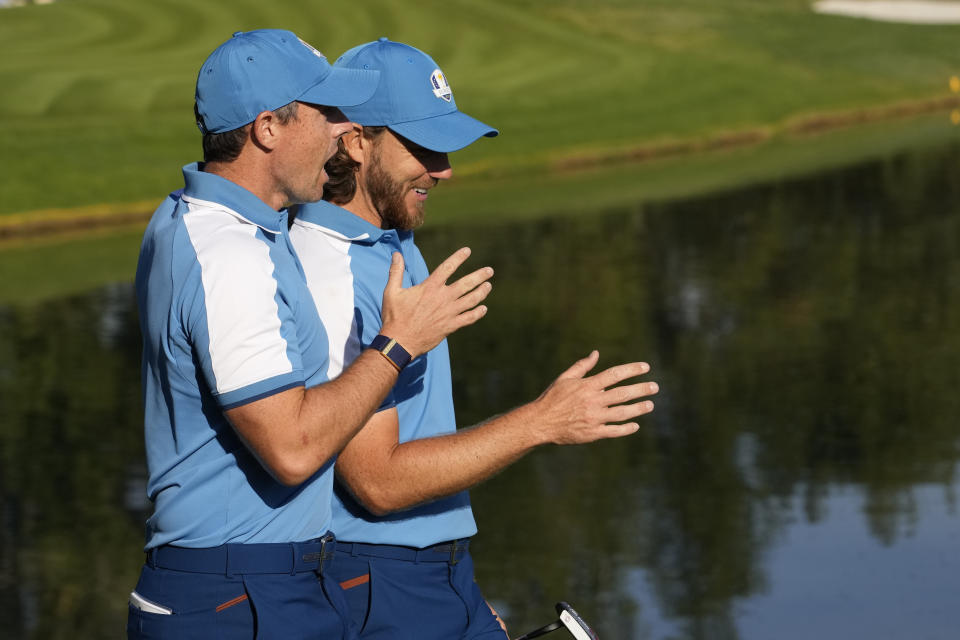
(536, 633)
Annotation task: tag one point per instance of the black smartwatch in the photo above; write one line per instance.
(390, 349)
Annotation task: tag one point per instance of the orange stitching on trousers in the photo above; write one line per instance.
(230, 603)
(355, 582)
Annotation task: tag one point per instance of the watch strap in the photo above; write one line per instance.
(390, 349)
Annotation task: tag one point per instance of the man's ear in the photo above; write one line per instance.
(266, 130)
(355, 144)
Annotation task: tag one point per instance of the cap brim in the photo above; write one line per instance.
(343, 88)
(445, 133)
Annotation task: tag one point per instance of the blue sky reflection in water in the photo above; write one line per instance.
(832, 579)
(797, 479)
(847, 583)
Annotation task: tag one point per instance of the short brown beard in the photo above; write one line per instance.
(387, 197)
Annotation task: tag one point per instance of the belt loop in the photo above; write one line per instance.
(453, 553)
(326, 539)
(152, 558)
(226, 569)
(354, 549)
(293, 558)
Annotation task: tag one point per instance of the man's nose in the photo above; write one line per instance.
(438, 166)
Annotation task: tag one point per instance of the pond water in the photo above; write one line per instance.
(798, 478)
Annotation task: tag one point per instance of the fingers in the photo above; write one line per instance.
(395, 278)
(582, 366)
(619, 373)
(614, 426)
(467, 318)
(475, 297)
(622, 412)
(579, 410)
(585, 409)
(471, 281)
(627, 393)
(607, 431)
(451, 264)
(618, 430)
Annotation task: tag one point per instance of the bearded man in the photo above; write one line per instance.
(402, 516)
(241, 423)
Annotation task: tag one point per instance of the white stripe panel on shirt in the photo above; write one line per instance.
(326, 261)
(246, 345)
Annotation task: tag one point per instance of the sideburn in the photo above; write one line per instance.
(387, 197)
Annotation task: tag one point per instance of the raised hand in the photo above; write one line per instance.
(419, 317)
(575, 409)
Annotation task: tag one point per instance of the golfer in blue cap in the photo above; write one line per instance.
(240, 431)
(402, 514)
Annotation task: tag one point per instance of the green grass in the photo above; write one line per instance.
(45, 268)
(38, 271)
(96, 105)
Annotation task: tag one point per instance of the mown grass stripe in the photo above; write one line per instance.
(97, 105)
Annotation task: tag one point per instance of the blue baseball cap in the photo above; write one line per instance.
(263, 70)
(413, 97)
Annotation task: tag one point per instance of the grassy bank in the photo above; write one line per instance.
(97, 99)
(50, 266)
(531, 195)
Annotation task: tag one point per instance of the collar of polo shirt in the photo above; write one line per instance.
(354, 228)
(211, 189)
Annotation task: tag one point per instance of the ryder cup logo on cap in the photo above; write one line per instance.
(263, 70)
(413, 97)
(441, 88)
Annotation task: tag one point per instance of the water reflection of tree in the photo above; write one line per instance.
(805, 337)
(70, 399)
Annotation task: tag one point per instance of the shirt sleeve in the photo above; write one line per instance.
(242, 329)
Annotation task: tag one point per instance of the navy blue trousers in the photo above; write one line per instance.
(231, 605)
(396, 599)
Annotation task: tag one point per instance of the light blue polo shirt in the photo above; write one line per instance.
(347, 262)
(226, 319)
